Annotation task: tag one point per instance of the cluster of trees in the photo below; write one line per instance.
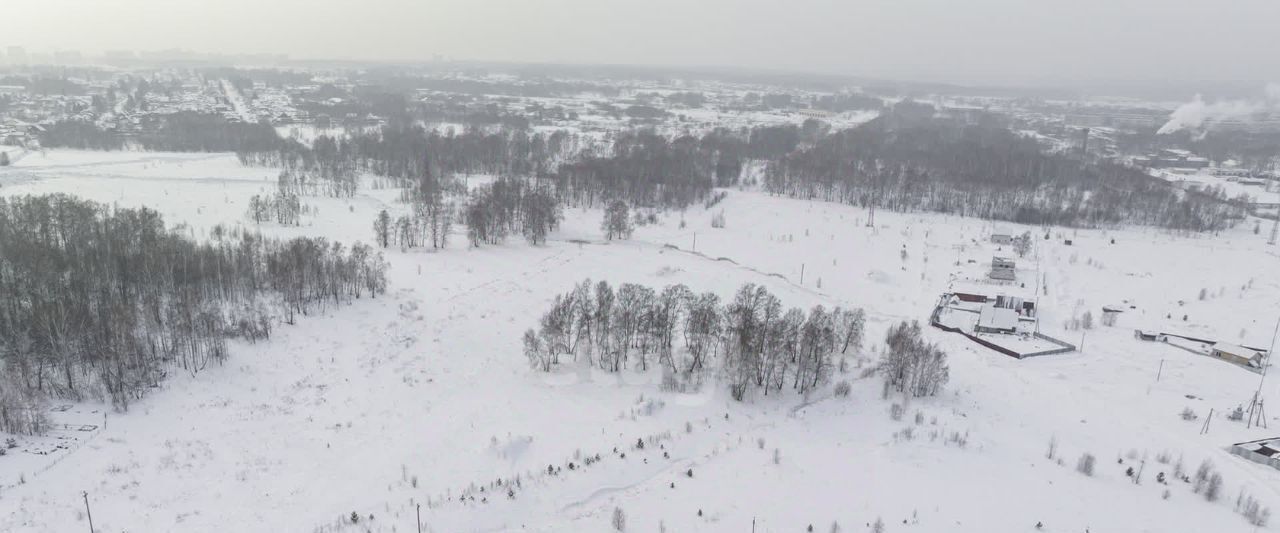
(756, 345)
(284, 207)
(765, 348)
(908, 159)
(80, 135)
(617, 221)
(910, 364)
(328, 174)
(408, 152)
(106, 301)
(427, 225)
(510, 206)
(298, 182)
(645, 168)
(177, 132)
(203, 132)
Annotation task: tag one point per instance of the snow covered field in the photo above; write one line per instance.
(423, 395)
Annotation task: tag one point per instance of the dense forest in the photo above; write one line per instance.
(178, 132)
(104, 302)
(910, 160)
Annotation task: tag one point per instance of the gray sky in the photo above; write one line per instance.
(995, 41)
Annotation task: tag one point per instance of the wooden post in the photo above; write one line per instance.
(419, 518)
(695, 241)
(802, 273)
(87, 512)
(1160, 371)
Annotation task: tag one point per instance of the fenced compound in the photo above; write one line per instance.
(1062, 346)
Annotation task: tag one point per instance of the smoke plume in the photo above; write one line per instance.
(1197, 114)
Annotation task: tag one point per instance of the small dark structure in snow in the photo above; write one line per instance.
(1002, 239)
(1110, 314)
(1149, 336)
(1265, 451)
(1003, 268)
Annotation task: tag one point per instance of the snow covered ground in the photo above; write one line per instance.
(1263, 192)
(423, 396)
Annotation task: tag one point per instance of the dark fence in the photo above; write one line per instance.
(1063, 346)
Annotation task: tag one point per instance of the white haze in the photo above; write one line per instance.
(981, 41)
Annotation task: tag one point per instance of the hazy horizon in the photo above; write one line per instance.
(985, 41)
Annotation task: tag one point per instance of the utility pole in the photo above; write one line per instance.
(802, 273)
(419, 518)
(695, 241)
(1160, 371)
(87, 512)
(1255, 407)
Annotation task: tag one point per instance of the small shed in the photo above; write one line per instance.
(1237, 354)
(1149, 336)
(1264, 451)
(1002, 239)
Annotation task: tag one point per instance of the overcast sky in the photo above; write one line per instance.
(992, 41)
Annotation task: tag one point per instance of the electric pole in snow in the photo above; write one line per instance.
(87, 512)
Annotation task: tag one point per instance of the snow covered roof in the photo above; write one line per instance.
(1236, 349)
(993, 317)
(1267, 447)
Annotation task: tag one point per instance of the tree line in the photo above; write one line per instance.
(97, 301)
(910, 160)
(750, 340)
(178, 132)
(408, 152)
